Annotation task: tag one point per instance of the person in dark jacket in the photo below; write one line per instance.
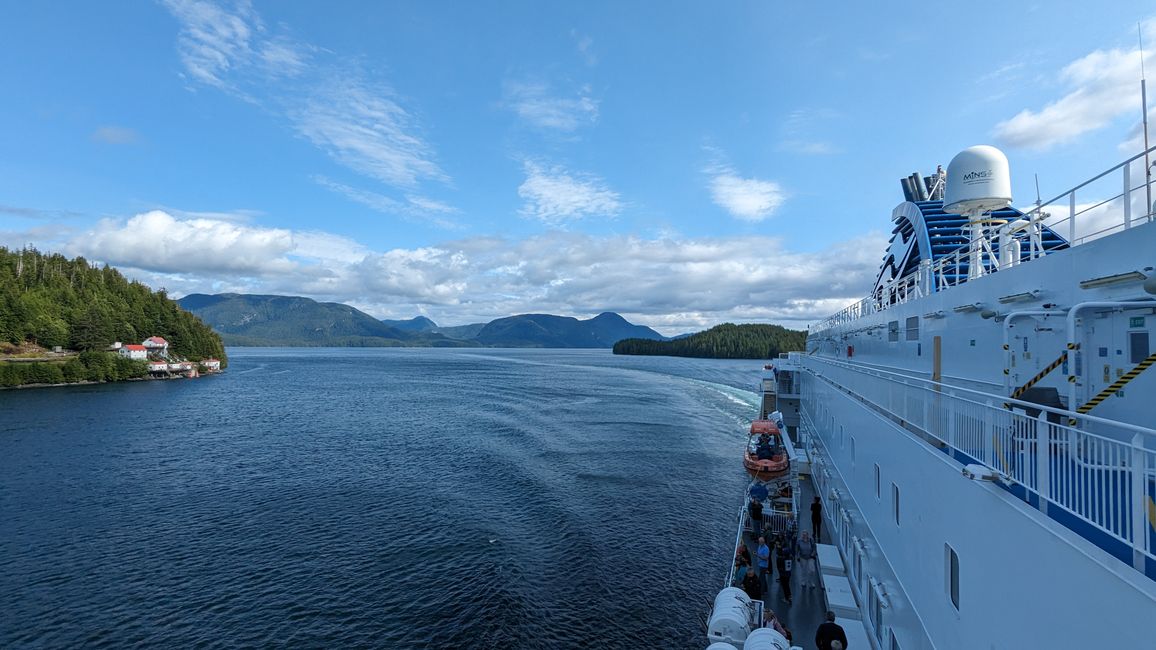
(816, 518)
(828, 632)
(783, 561)
(755, 509)
(753, 585)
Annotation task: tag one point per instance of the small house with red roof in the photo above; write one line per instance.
(138, 352)
(156, 344)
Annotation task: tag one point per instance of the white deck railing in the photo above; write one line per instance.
(1099, 472)
(1078, 223)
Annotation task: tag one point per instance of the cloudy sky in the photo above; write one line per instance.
(683, 164)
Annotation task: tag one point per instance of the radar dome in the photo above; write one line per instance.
(978, 181)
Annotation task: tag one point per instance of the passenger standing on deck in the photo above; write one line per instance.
(742, 554)
(806, 554)
(742, 568)
(770, 619)
(816, 518)
(753, 585)
(828, 632)
(783, 560)
(764, 562)
(755, 509)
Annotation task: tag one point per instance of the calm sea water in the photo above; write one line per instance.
(375, 498)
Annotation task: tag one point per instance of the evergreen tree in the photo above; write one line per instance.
(726, 341)
(51, 300)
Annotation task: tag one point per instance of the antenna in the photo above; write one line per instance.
(1148, 207)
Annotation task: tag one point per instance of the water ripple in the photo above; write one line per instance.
(374, 498)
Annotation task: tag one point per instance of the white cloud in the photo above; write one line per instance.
(554, 196)
(240, 215)
(749, 199)
(801, 128)
(413, 208)
(585, 46)
(1102, 87)
(214, 41)
(115, 135)
(158, 241)
(535, 103)
(675, 284)
(362, 128)
(808, 148)
(356, 120)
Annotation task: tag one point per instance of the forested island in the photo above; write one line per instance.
(726, 341)
(60, 317)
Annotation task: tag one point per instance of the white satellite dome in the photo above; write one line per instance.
(978, 181)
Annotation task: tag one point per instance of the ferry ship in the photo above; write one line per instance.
(978, 429)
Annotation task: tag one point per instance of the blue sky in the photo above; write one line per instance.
(684, 164)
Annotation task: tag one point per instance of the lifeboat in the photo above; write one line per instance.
(765, 456)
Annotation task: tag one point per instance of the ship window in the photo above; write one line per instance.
(893, 331)
(852, 451)
(952, 570)
(876, 481)
(895, 501)
(913, 328)
(1138, 346)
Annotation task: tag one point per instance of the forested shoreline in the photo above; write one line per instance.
(726, 341)
(49, 301)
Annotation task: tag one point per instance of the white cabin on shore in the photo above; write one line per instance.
(136, 352)
(157, 345)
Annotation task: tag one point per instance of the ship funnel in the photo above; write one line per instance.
(978, 181)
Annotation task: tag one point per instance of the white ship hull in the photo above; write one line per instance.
(902, 392)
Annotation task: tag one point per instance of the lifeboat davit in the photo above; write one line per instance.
(765, 456)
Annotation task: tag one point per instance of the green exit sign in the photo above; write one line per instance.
(1136, 321)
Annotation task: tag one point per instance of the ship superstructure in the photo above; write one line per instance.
(980, 426)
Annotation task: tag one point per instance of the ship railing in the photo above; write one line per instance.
(1128, 203)
(1095, 476)
(738, 541)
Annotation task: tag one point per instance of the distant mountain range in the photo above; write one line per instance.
(546, 331)
(243, 319)
(255, 320)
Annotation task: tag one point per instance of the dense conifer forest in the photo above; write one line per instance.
(48, 300)
(724, 341)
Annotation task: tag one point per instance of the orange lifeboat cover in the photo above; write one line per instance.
(764, 426)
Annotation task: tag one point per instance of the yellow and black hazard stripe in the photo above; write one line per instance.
(1035, 380)
(1118, 384)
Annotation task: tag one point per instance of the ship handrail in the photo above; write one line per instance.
(1102, 484)
(990, 398)
(738, 540)
(933, 277)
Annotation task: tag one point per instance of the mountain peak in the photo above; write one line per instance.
(609, 316)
